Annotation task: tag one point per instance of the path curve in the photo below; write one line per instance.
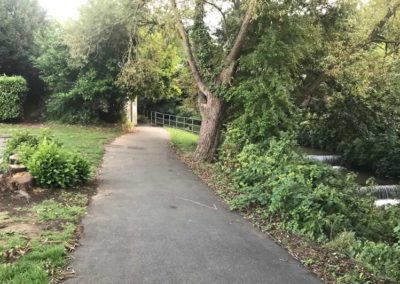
(154, 221)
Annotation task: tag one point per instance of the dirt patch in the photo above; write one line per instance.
(30, 230)
(11, 201)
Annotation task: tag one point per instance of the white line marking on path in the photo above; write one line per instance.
(198, 203)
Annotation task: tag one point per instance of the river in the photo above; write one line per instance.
(361, 176)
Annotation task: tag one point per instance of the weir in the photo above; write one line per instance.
(329, 159)
(387, 195)
(382, 191)
(386, 202)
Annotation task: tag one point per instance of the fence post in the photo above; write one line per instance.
(192, 125)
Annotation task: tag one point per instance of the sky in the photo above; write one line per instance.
(62, 9)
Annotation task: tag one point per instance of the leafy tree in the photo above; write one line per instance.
(211, 105)
(20, 21)
(154, 72)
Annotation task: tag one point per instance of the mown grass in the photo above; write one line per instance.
(39, 258)
(87, 140)
(183, 140)
(39, 255)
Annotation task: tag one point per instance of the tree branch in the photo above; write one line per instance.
(189, 51)
(231, 59)
(379, 26)
(234, 53)
(219, 9)
(311, 87)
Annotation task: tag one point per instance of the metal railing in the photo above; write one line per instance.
(169, 120)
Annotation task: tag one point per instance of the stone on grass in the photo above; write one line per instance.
(21, 182)
(14, 159)
(14, 169)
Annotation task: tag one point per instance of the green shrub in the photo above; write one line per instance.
(12, 93)
(53, 167)
(379, 153)
(307, 198)
(25, 143)
(69, 108)
(82, 168)
(381, 259)
(343, 243)
(92, 99)
(20, 139)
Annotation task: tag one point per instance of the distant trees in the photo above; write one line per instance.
(115, 50)
(20, 21)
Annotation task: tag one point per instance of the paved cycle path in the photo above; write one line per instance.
(154, 221)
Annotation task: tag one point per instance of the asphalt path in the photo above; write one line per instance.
(154, 221)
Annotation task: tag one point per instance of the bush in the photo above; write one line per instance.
(12, 93)
(53, 167)
(91, 100)
(378, 153)
(25, 143)
(50, 164)
(380, 258)
(20, 139)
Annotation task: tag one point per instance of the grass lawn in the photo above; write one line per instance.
(183, 140)
(37, 234)
(89, 141)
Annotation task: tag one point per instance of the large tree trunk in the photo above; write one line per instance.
(212, 111)
(212, 116)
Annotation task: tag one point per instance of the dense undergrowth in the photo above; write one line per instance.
(363, 130)
(315, 201)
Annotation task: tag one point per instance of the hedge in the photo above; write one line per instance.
(12, 93)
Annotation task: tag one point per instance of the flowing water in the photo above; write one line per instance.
(361, 176)
(386, 191)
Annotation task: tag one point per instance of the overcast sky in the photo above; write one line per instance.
(69, 9)
(62, 9)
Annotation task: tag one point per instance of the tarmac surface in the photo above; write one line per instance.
(154, 221)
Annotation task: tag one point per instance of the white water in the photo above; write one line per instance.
(330, 159)
(386, 202)
(385, 193)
